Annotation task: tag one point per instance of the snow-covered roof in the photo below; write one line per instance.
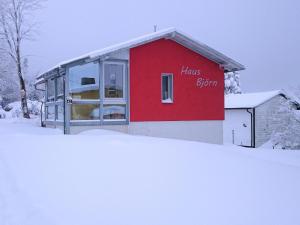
(171, 33)
(249, 100)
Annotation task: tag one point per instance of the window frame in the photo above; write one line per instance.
(107, 99)
(97, 84)
(102, 100)
(115, 101)
(170, 88)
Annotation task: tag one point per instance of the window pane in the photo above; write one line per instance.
(51, 89)
(167, 88)
(113, 112)
(60, 112)
(85, 112)
(165, 92)
(50, 112)
(114, 80)
(60, 88)
(84, 81)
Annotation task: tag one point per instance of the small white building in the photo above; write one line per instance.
(251, 118)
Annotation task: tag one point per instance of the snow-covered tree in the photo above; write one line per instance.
(16, 26)
(232, 83)
(8, 80)
(287, 136)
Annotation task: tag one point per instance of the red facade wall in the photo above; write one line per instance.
(191, 102)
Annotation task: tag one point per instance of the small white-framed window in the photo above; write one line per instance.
(167, 88)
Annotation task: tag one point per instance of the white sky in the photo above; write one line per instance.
(262, 35)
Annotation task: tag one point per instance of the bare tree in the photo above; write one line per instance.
(15, 27)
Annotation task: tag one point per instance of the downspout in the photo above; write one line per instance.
(252, 128)
(254, 140)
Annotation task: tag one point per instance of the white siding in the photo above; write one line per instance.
(123, 55)
(237, 127)
(267, 119)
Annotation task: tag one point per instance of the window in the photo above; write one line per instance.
(114, 80)
(85, 112)
(167, 88)
(60, 112)
(84, 81)
(50, 112)
(114, 112)
(51, 90)
(60, 88)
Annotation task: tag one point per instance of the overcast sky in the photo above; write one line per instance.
(262, 35)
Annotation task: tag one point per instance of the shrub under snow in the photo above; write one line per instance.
(287, 136)
(2, 113)
(14, 110)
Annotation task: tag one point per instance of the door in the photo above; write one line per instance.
(237, 127)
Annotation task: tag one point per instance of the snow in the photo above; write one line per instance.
(168, 100)
(104, 177)
(14, 110)
(249, 100)
(116, 47)
(163, 33)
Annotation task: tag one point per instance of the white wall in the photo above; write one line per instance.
(204, 131)
(239, 121)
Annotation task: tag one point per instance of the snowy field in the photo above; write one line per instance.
(103, 177)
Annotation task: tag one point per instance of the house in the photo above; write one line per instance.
(251, 118)
(163, 84)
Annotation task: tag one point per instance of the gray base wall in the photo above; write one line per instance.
(202, 131)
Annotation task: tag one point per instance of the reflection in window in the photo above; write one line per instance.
(51, 89)
(60, 112)
(114, 80)
(85, 112)
(113, 112)
(50, 112)
(84, 81)
(167, 88)
(60, 88)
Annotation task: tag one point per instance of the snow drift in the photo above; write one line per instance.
(103, 177)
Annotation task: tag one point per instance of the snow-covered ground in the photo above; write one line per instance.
(103, 177)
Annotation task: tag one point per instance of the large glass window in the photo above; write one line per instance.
(114, 112)
(114, 80)
(84, 81)
(84, 89)
(85, 112)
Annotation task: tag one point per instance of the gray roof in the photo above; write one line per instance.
(227, 63)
